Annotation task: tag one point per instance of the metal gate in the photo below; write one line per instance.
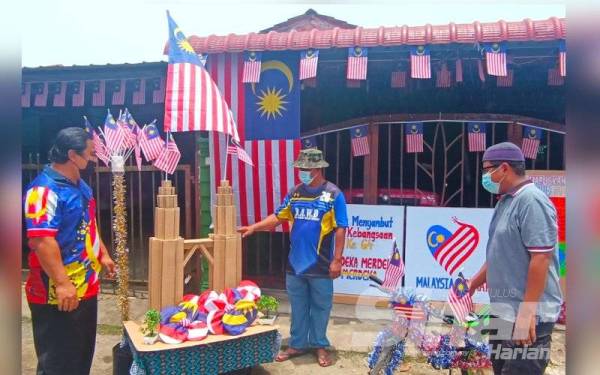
(142, 187)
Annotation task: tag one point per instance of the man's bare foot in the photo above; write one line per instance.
(289, 353)
(323, 358)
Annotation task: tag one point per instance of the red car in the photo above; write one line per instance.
(399, 197)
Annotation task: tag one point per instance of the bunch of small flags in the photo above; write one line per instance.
(123, 137)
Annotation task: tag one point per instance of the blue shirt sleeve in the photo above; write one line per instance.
(341, 213)
(284, 211)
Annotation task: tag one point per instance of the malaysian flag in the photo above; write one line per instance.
(150, 141)
(459, 299)
(443, 77)
(257, 191)
(118, 92)
(408, 310)
(78, 90)
(129, 126)
(99, 147)
(360, 140)
(459, 70)
(40, 90)
(414, 137)
(476, 132)
(398, 79)
(235, 149)
(309, 142)
(451, 250)
(139, 91)
(506, 81)
(26, 95)
(357, 63)
(252, 64)
(420, 62)
(562, 58)
(114, 135)
(531, 141)
(59, 89)
(169, 156)
(480, 70)
(554, 77)
(158, 90)
(98, 93)
(308, 63)
(394, 270)
(495, 59)
(193, 101)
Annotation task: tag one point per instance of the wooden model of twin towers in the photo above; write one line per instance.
(169, 253)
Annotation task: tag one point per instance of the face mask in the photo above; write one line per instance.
(488, 184)
(305, 177)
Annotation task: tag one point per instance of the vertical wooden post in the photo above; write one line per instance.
(371, 167)
(165, 281)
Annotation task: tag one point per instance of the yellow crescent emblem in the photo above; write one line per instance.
(277, 65)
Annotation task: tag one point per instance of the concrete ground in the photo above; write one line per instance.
(351, 331)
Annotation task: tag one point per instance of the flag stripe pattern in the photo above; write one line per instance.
(398, 79)
(252, 65)
(555, 78)
(459, 71)
(99, 96)
(443, 77)
(562, 58)
(459, 299)
(357, 64)
(158, 94)
(495, 59)
(394, 271)
(456, 249)
(360, 141)
(60, 94)
(260, 189)
(139, 96)
(78, 94)
(41, 95)
(150, 142)
(410, 312)
(531, 142)
(420, 63)
(414, 137)
(308, 64)
(118, 96)
(477, 137)
(114, 134)
(506, 81)
(169, 157)
(26, 95)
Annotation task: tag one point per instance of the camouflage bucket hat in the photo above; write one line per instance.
(310, 158)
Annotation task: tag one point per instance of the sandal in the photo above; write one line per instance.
(323, 358)
(289, 353)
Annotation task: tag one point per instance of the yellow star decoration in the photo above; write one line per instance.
(185, 45)
(461, 287)
(271, 103)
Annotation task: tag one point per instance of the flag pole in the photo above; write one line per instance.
(226, 155)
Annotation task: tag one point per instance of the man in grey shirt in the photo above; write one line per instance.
(521, 268)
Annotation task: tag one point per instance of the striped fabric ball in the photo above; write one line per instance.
(172, 333)
(234, 322)
(249, 290)
(214, 321)
(197, 331)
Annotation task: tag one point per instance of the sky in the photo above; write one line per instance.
(79, 32)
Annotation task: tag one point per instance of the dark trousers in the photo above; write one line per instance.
(509, 358)
(64, 341)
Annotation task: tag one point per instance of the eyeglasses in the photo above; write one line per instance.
(489, 168)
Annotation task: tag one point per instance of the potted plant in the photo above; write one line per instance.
(150, 326)
(267, 306)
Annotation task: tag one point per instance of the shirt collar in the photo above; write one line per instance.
(519, 188)
(56, 176)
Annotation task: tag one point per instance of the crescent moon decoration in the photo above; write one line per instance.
(413, 129)
(420, 50)
(429, 239)
(182, 42)
(270, 101)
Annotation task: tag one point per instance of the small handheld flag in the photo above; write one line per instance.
(360, 140)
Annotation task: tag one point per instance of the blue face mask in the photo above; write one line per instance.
(488, 184)
(305, 177)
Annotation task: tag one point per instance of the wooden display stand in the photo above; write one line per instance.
(169, 253)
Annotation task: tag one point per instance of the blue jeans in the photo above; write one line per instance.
(311, 300)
